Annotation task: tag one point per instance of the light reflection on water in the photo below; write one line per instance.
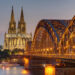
(49, 70)
(38, 71)
(14, 71)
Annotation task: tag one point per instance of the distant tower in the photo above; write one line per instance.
(12, 23)
(21, 24)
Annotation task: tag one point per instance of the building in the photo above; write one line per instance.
(16, 37)
(28, 45)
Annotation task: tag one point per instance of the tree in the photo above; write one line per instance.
(6, 53)
(17, 51)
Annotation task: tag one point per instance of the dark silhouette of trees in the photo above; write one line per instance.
(5, 54)
(17, 51)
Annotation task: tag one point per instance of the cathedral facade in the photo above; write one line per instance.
(16, 37)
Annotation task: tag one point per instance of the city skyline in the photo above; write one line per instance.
(34, 11)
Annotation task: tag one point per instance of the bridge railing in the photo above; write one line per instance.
(42, 54)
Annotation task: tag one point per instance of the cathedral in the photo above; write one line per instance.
(16, 36)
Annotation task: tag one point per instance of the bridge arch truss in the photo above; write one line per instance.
(47, 36)
(67, 42)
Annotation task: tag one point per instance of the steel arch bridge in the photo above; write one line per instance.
(54, 37)
(67, 42)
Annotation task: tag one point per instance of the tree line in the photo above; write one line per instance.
(6, 53)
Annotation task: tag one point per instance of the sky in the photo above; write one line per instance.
(34, 11)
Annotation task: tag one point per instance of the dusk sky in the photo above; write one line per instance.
(34, 11)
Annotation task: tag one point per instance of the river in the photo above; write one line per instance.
(14, 71)
(21, 71)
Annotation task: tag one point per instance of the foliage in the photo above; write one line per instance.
(5, 54)
(17, 51)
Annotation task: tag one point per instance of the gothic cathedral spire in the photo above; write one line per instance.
(21, 24)
(12, 23)
(22, 16)
(12, 16)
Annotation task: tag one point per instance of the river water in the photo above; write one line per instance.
(14, 71)
(21, 71)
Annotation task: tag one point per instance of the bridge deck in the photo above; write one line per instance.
(66, 56)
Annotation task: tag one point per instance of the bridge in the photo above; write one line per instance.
(53, 39)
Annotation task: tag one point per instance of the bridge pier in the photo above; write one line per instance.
(33, 61)
(39, 62)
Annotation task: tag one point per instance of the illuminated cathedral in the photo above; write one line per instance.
(16, 36)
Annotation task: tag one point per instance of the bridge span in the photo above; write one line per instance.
(38, 60)
(53, 42)
(54, 37)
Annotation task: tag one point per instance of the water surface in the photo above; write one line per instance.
(37, 71)
(14, 71)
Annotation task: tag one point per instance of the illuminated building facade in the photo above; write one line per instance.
(16, 37)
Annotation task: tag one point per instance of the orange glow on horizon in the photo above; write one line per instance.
(49, 70)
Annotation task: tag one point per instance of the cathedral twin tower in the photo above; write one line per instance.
(21, 25)
(16, 37)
